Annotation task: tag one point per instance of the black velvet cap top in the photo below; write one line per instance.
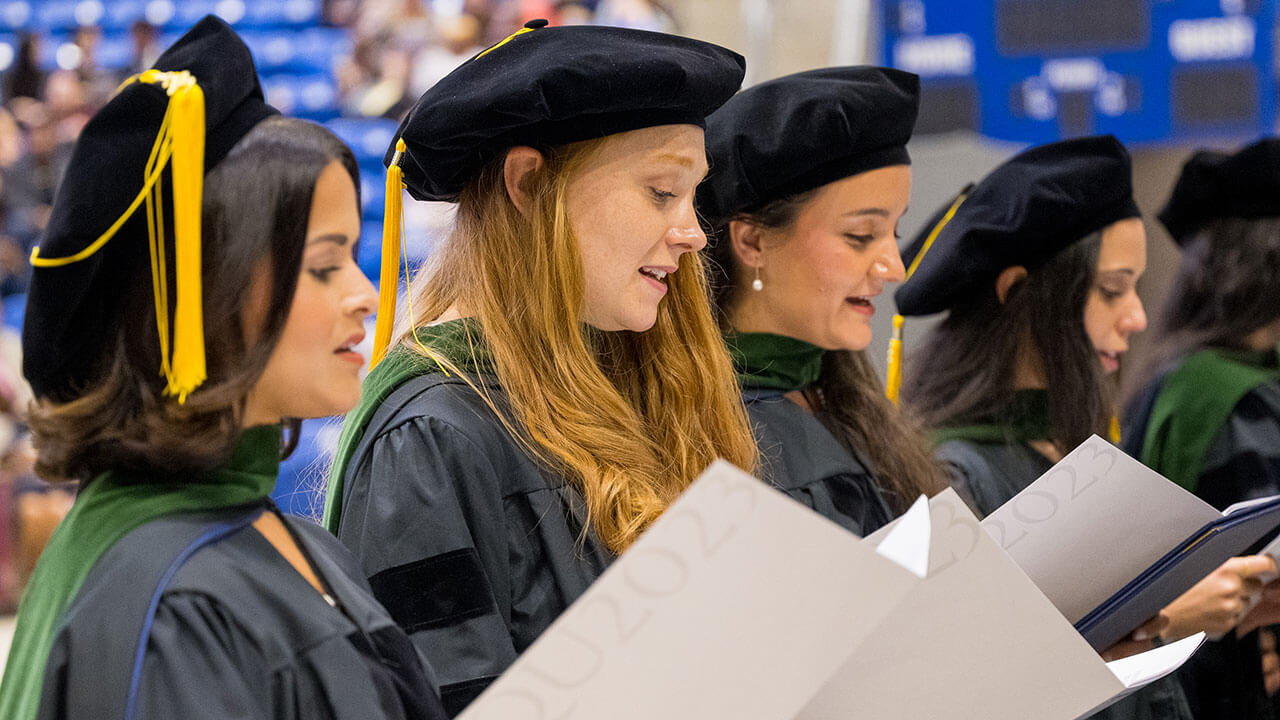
(1024, 212)
(547, 86)
(802, 131)
(1213, 185)
(72, 307)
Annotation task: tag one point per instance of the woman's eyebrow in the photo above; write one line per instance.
(881, 212)
(336, 238)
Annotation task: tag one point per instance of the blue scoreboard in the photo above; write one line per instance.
(1040, 70)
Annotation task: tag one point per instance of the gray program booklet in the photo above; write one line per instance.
(741, 603)
(1111, 542)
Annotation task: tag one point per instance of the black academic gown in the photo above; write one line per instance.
(987, 475)
(473, 546)
(800, 457)
(237, 633)
(1223, 681)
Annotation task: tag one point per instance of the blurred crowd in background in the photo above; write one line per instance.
(355, 65)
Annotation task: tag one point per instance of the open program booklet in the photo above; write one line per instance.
(740, 602)
(1112, 542)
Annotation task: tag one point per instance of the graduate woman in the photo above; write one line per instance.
(563, 379)
(176, 318)
(1207, 412)
(810, 175)
(1037, 265)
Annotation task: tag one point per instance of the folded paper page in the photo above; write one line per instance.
(977, 639)
(737, 603)
(1141, 670)
(907, 543)
(1111, 542)
(1097, 509)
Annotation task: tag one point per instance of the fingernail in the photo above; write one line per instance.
(1140, 634)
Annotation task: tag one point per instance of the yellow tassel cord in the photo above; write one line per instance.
(392, 239)
(504, 41)
(388, 275)
(180, 145)
(1114, 430)
(893, 382)
(388, 272)
(893, 379)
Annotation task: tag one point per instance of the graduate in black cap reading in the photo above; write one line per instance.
(1206, 413)
(810, 175)
(1036, 266)
(195, 288)
(561, 380)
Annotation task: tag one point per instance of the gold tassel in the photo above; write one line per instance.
(893, 381)
(893, 378)
(179, 145)
(1114, 430)
(389, 273)
(188, 363)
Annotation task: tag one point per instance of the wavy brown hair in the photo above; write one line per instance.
(256, 206)
(964, 371)
(630, 419)
(849, 398)
(1227, 287)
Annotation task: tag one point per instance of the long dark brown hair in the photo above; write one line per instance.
(849, 398)
(964, 372)
(1227, 287)
(256, 206)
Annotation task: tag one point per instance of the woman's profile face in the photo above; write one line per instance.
(1114, 311)
(820, 274)
(631, 209)
(314, 370)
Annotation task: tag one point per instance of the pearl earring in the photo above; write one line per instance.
(756, 284)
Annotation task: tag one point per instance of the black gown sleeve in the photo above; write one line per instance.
(972, 477)
(424, 515)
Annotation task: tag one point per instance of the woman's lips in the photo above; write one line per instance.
(862, 305)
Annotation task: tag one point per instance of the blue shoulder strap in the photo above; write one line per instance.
(209, 537)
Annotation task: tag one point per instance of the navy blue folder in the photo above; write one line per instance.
(1181, 568)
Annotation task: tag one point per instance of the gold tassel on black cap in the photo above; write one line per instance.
(180, 145)
(389, 273)
(893, 379)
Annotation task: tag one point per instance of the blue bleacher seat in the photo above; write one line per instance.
(8, 51)
(369, 138)
(15, 306)
(373, 191)
(115, 51)
(61, 14)
(121, 14)
(49, 44)
(370, 253)
(188, 12)
(314, 50)
(321, 46)
(163, 14)
(17, 15)
(293, 13)
(313, 96)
